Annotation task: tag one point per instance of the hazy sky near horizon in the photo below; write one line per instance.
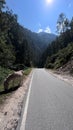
(40, 15)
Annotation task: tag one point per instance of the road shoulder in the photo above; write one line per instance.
(67, 78)
(10, 111)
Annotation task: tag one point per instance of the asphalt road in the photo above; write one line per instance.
(50, 104)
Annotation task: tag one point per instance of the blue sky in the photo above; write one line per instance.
(39, 15)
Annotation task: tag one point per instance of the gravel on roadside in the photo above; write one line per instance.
(10, 111)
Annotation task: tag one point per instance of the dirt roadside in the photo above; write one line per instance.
(63, 76)
(10, 111)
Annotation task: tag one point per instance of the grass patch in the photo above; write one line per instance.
(4, 73)
(27, 71)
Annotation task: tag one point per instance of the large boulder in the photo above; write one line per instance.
(11, 77)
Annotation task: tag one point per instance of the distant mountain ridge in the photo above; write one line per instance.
(46, 38)
(40, 40)
(19, 46)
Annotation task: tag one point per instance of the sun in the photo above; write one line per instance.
(49, 1)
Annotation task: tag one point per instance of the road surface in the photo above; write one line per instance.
(49, 104)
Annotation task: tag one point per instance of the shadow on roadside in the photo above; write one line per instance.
(9, 90)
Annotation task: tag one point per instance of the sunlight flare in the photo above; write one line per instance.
(49, 1)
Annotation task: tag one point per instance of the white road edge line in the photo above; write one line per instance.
(26, 107)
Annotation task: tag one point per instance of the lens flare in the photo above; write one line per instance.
(49, 1)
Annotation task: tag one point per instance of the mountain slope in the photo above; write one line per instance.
(37, 42)
(46, 38)
(59, 54)
(40, 40)
(18, 45)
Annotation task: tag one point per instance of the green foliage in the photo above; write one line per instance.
(4, 73)
(2, 2)
(59, 59)
(27, 71)
(62, 23)
(49, 65)
(6, 56)
(60, 51)
(18, 45)
(14, 46)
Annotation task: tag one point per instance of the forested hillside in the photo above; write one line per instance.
(15, 48)
(19, 47)
(60, 51)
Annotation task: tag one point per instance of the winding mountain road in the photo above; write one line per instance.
(49, 104)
